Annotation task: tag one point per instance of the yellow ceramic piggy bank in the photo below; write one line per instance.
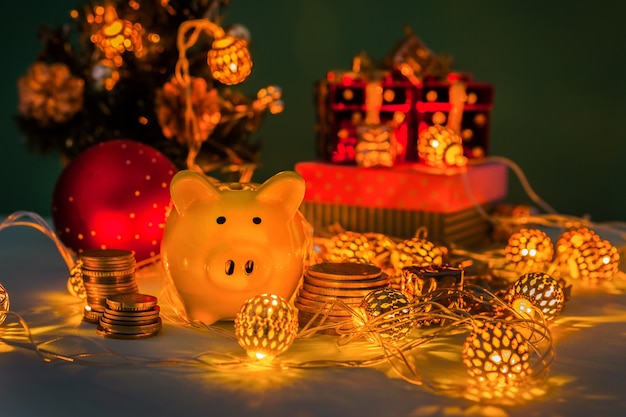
(226, 242)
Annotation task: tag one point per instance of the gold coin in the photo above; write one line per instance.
(135, 322)
(343, 270)
(339, 292)
(112, 274)
(97, 259)
(100, 331)
(302, 293)
(305, 318)
(131, 329)
(334, 303)
(323, 311)
(130, 315)
(131, 302)
(351, 284)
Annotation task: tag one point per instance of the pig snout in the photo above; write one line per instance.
(239, 268)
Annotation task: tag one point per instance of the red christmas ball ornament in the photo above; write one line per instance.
(114, 195)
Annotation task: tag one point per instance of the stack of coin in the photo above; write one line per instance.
(106, 272)
(130, 316)
(326, 283)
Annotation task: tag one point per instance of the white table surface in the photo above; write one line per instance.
(587, 379)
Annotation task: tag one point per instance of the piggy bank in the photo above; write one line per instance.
(226, 242)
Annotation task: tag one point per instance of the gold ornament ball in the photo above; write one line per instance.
(229, 60)
(585, 255)
(495, 354)
(416, 251)
(529, 247)
(4, 303)
(440, 146)
(537, 291)
(389, 312)
(349, 247)
(266, 326)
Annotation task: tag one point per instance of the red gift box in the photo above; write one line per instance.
(409, 108)
(400, 200)
(341, 106)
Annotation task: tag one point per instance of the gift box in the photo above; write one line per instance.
(433, 106)
(403, 199)
(408, 108)
(342, 107)
(413, 89)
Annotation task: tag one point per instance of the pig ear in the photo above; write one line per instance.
(286, 188)
(188, 187)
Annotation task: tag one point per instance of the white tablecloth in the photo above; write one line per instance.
(588, 377)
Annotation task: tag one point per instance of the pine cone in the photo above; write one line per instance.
(170, 108)
(50, 93)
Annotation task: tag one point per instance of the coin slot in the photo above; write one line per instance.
(249, 266)
(229, 267)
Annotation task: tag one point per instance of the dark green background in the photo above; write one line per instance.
(559, 70)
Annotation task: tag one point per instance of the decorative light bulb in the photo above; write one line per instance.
(537, 291)
(391, 311)
(349, 247)
(495, 354)
(529, 248)
(4, 303)
(266, 326)
(416, 251)
(440, 146)
(229, 60)
(585, 255)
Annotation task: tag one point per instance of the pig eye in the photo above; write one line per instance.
(256, 220)
(221, 220)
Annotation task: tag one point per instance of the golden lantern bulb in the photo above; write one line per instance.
(440, 146)
(495, 354)
(524, 308)
(4, 303)
(537, 291)
(389, 312)
(266, 326)
(585, 255)
(529, 248)
(229, 60)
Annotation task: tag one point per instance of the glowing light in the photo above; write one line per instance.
(585, 255)
(528, 249)
(496, 354)
(229, 60)
(4, 303)
(389, 312)
(266, 326)
(440, 146)
(537, 291)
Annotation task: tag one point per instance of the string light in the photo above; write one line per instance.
(228, 59)
(349, 246)
(529, 248)
(388, 313)
(114, 36)
(537, 291)
(585, 255)
(416, 251)
(266, 326)
(4, 303)
(496, 354)
(439, 146)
